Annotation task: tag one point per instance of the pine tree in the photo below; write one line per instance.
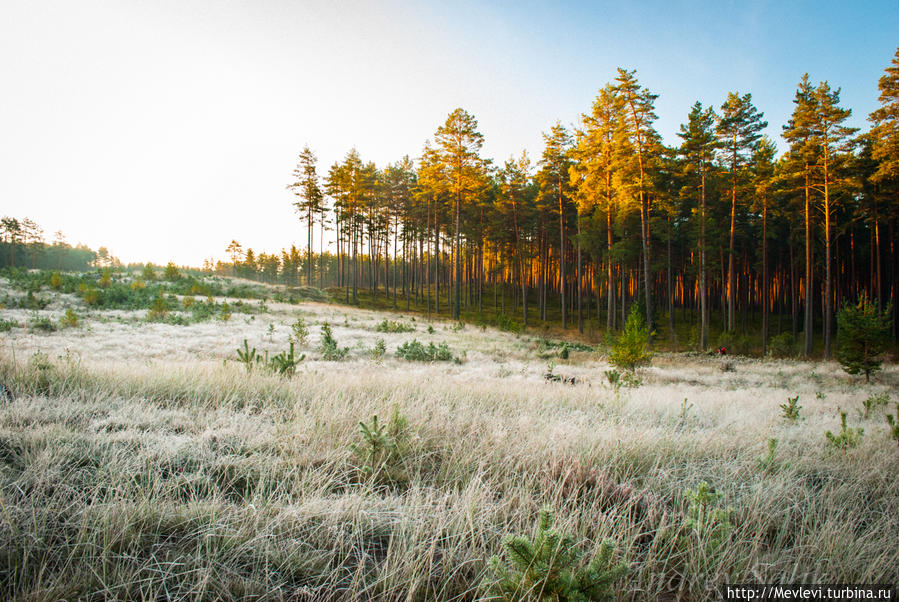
(833, 144)
(639, 136)
(306, 188)
(739, 128)
(863, 334)
(554, 182)
(698, 148)
(460, 142)
(799, 132)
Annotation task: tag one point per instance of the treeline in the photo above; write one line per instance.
(22, 245)
(718, 234)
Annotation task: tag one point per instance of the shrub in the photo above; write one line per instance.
(875, 402)
(91, 296)
(247, 356)
(158, 310)
(105, 278)
(70, 320)
(791, 408)
(225, 314)
(56, 281)
(148, 273)
(863, 333)
(42, 324)
(188, 302)
(391, 326)
(7, 325)
(734, 343)
(138, 285)
(328, 346)
(507, 324)
(847, 438)
(782, 346)
(551, 567)
(631, 349)
(414, 351)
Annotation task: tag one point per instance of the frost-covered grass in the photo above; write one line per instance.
(141, 461)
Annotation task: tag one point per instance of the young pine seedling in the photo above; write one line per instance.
(247, 356)
(550, 567)
(791, 408)
(847, 438)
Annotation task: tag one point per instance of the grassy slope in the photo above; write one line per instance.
(139, 466)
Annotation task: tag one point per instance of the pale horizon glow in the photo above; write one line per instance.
(164, 130)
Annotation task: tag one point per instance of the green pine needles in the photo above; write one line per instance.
(791, 408)
(893, 422)
(414, 351)
(631, 349)
(706, 519)
(863, 334)
(847, 438)
(380, 455)
(550, 567)
(328, 345)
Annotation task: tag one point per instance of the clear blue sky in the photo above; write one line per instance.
(165, 129)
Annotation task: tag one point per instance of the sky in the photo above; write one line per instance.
(163, 130)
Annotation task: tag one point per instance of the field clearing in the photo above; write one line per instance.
(142, 461)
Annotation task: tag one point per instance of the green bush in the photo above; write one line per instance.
(391, 326)
(377, 352)
(735, 344)
(631, 349)
(507, 324)
(782, 346)
(42, 324)
(551, 567)
(414, 351)
(70, 320)
(7, 325)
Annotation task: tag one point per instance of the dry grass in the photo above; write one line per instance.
(140, 466)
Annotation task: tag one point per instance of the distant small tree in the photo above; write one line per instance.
(632, 347)
(148, 274)
(863, 333)
(171, 272)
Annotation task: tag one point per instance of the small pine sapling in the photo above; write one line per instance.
(299, 330)
(705, 519)
(768, 461)
(631, 349)
(791, 408)
(377, 352)
(550, 567)
(247, 356)
(285, 363)
(893, 422)
(847, 438)
(328, 345)
(875, 402)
